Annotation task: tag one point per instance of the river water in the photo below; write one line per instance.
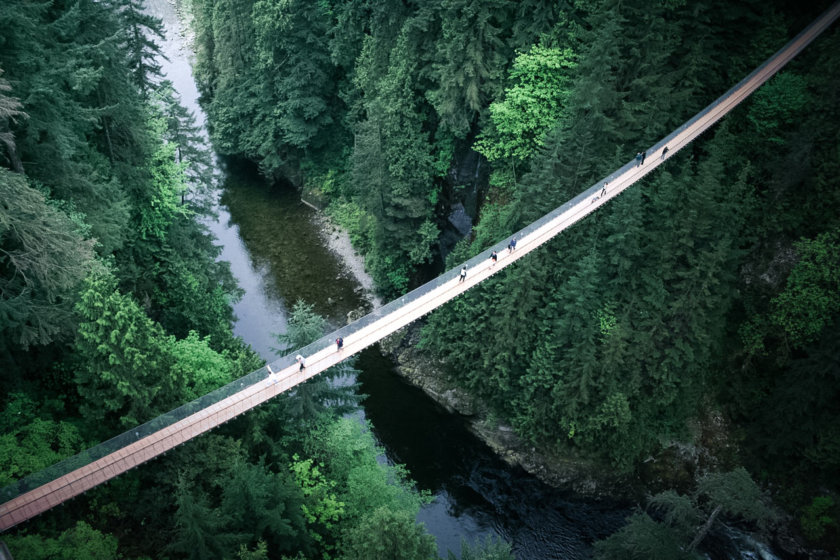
(278, 256)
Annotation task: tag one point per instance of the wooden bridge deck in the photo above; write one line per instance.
(53, 493)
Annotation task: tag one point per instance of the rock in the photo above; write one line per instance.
(355, 314)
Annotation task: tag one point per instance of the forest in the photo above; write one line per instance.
(709, 291)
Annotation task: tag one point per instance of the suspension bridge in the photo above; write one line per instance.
(69, 478)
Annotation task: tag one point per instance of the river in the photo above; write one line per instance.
(278, 255)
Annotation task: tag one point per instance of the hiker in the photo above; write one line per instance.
(463, 274)
(339, 343)
(644, 155)
(638, 159)
(494, 257)
(512, 245)
(664, 151)
(604, 190)
(302, 361)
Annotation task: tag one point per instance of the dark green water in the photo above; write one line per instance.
(284, 246)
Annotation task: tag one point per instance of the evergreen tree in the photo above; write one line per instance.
(265, 506)
(675, 533)
(124, 359)
(32, 439)
(139, 33)
(199, 530)
(190, 148)
(44, 255)
(469, 61)
(10, 112)
(291, 40)
(324, 394)
(388, 535)
(79, 541)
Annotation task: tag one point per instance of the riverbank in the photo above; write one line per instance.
(337, 240)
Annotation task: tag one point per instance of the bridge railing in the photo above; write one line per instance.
(130, 436)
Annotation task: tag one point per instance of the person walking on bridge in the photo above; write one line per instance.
(302, 361)
(638, 159)
(512, 245)
(339, 343)
(494, 257)
(463, 275)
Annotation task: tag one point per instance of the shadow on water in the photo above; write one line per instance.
(476, 493)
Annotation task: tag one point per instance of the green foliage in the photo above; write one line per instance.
(812, 293)
(10, 113)
(320, 396)
(675, 530)
(818, 517)
(387, 535)
(262, 505)
(321, 508)
(80, 541)
(736, 493)
(259, 553)
(199, 530)
(140, 29)
(123, 358)
(808, 303)
(190, 150)
(305, 326)
(349, 455)
(469, 61)
(350, 217)
(490, 549)
(163, 200)
(777, 106)
(533, 103)
(31, 441)
(643, 539)
(202, 367)
(43, 259)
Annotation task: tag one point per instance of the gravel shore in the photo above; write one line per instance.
(338, 241)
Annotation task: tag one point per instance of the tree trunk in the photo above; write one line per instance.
(14, 159)
(704, 529)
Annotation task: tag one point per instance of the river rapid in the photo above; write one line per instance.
(279, 254)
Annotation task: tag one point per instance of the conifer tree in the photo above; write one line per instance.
(44, 256)
(190, 147)
(312, 399)
(200, 531)
(262, 505)
(140, 30)
(469, 61)
(123, 359)
(10, 112)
